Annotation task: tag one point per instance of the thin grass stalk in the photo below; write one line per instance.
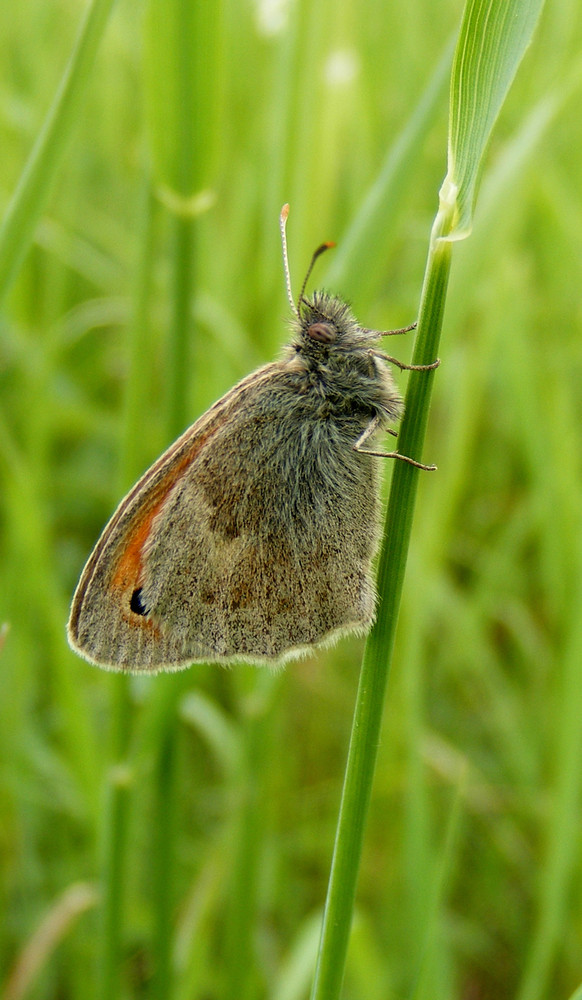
(377, 655)
(166, 785)
(493, 38)
(16, 233)
(114, 846)
(37, 177)
(120, 779)
(239, 963)
(179, 40)
(179, 336)
(164, 841)
(418, 854)
(28, 522)
(563, 833)
(240, 967)
(239, 959)
(134, 456)
(430, 953)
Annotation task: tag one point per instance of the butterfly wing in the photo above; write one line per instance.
(240, 543)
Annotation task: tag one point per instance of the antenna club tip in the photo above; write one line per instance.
(284, 212)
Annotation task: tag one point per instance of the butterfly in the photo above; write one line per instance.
(252, 537)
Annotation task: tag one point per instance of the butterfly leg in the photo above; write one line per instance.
(407, 368)
(370, 429)
(376, 334)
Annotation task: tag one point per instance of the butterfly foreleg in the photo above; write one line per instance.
(372, 427)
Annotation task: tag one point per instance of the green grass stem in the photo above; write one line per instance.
(241, 975)
(491, 43)
(114, 844)
(166, 783)
(563, 828)
(368, 711)
(180, 70)
(164, 839)
(180, 332)
(120, 777)
(134, 453)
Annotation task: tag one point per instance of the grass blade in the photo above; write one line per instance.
(35, 183)
(181, 45)
(120, 781)
(493, 39)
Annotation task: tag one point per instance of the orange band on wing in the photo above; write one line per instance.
(129, 567)
(128, 570)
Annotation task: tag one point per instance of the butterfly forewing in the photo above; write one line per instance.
(218, 551)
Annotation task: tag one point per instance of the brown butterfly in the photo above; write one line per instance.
(252, 537)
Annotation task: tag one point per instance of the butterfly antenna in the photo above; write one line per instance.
(282, 227)
(317, 253)
(321, 249)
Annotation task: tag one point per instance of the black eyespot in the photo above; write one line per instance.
(325, 333)
(136, 604)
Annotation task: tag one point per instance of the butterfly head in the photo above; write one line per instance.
(325, 324)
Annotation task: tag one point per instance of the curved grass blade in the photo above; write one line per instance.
(492, 42)
(35, 182)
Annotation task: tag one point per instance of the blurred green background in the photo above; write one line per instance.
(140, 301)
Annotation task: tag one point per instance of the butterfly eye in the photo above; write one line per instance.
(322, 332)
